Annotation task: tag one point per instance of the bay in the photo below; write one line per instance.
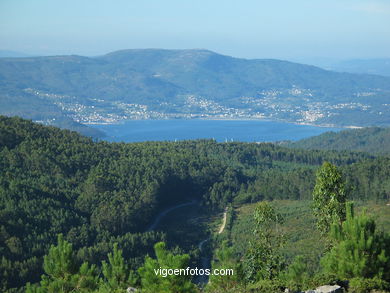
(220, 130)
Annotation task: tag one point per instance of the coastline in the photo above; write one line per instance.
(121, 122)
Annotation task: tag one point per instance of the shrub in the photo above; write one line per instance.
(362, 285)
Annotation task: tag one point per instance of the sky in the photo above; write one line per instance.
(283, 29)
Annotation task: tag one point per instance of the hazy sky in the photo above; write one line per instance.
(286, 29)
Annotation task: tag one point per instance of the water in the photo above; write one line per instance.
(220, 130)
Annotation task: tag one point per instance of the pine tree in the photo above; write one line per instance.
(329, 197)
(60, 262)
(361, 251)
(224, 260)
(62, 273)
(297, 270)
(117, 274)
(152, 282)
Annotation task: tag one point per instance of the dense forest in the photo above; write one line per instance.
(371, 139)
(101, 195)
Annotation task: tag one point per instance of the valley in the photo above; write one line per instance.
(98, 196)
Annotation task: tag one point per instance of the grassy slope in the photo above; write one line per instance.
(187, 226)
(301, 235)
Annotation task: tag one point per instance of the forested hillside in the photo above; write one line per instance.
(97, 193)
(373, 140)
(166, 84)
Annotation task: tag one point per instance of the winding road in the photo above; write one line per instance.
(223, 222)
(167, 211)
(205, 260)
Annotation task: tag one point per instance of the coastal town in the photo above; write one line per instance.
(291, 105)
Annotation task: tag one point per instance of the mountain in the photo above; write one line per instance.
(371, 139)
(160, 84)
(365, 66)
(40, 110)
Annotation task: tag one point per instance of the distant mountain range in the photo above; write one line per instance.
(366, 66)
(162, 84)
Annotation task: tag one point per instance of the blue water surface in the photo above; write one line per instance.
(220, 130)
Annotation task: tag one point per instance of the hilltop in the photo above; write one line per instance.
(374, 140)
(161, 84)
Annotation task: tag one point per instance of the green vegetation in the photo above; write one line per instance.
(165, 260)
(62, 273)
(224, 258)
(359, 252)
(299, 227)
(102, 197)
(328, 197)
(29, 107)
(262, 260)
(373, 140)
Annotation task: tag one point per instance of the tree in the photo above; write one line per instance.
(224, 260)
(62, 272)
(296, 274)
(329, 197)
(361, 251)
(263, 259)
(154, 282)
(117, 274)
